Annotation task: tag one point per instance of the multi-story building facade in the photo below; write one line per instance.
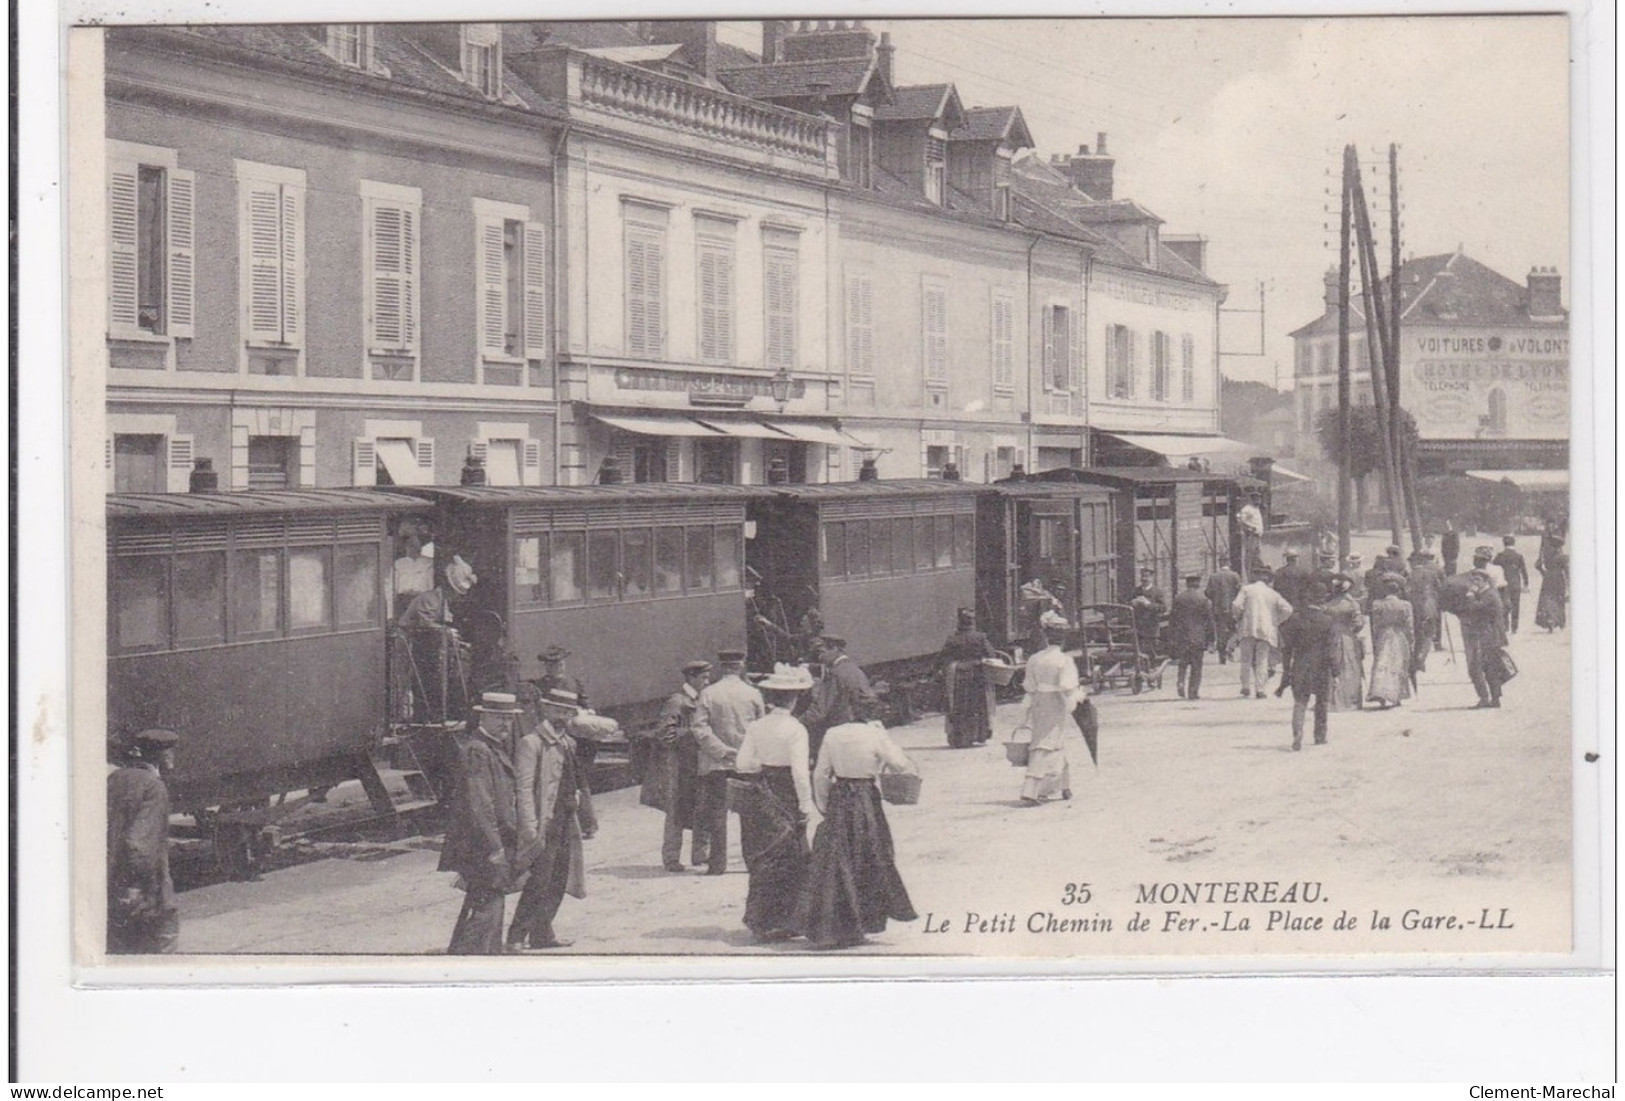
(352, 254)
(1484, 365)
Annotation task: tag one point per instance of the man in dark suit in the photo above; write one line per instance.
(1221, 591)
(836, 698)
(1309, 642)
(1190, 630)
(1517, 575)
(1483, 633)
(482, 833)
(1450, 548)
(1292, 579)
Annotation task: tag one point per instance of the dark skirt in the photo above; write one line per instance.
(970, 696)
(1551, 608)
(773, 836)
(852, 885)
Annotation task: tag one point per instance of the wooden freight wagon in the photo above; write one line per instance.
(633, 579)
(886, 562)
(255, 625)
(1063, 533)
(1172, 522)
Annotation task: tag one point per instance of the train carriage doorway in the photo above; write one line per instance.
(1154, 534)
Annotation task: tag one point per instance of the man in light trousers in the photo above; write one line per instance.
(1259, 611)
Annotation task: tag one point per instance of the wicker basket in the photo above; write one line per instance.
(1000, 672)
(902, 788)
(1016, 753)
(593, 728)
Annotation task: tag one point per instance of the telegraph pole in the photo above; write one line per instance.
(1379, 353)
(1343, 387)
(1407, 461)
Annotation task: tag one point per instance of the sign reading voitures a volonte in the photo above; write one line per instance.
(1487, 384)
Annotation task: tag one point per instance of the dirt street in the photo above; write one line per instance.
(1452, 824)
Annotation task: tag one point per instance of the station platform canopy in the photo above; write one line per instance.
(1535, 480)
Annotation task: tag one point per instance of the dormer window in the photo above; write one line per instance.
(482, 58)
(1001, 202)
(936, 160)
(350, 44)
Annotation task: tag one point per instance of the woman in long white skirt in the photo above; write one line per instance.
(1053, 690)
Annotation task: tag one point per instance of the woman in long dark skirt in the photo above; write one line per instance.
(852, 886)
(1551, 608)
(774, 807)
(969, 691)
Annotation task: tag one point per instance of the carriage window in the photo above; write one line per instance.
(200, 597)
(668, 560)
(569, 567)
(924, 553)
(256, 593)
(529, 584)
(728, 558)
(944, 542)
(635, 564)
(603, 570)
(857, 548)
(902, 545)
(701, 560)
(834, 549)
(141, 596)
(880, 551)
(355, 576)
(308, 595)
(965, 539)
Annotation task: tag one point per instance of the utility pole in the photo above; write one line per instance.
(1407, 461)
(1343, 464)
(1378, 355)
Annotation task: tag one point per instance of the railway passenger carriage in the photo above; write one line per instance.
(255, 625)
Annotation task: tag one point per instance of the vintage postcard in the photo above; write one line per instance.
(828, 496)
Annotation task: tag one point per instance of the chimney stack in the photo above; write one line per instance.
(1545, 293)
(203, 478)
(1100, 142)
(1090, 173)
(773, 35)
(1334, 296)
(884, 52)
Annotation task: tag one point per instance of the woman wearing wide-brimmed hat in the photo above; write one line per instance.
(1348, 668)
(1053, 689)
(969, 719)
(852, 886)
(774, 806)
(1393, 639)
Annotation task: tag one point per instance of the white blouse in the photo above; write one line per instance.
(856, 751)
(777, 740)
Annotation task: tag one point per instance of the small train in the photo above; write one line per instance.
(264, 626)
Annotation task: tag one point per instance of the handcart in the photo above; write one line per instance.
(1113, 656)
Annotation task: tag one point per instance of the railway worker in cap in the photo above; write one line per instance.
(722, 711)
(1309, 642)
(141, 915)
(482, 834)
(1150, 604)
(969, 691)
(555, 816)
(1516, 571)
(1190, 631)
(837, 696)
(1425, 583)
(1483, 634)
(672, 779)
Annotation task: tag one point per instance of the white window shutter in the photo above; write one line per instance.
(1133, 368)
(263, 219)
(530, 473)
(293, 264)
(854, 325)
(181, 303)
(654, 268)
(636, 309)
(425, 452)
(674, 456)
(1048, 320)
(122, 262)
(492, 267)
(711, 307)
(365, 462)
(179, 463)
(1074, 359)
(624, 456)
(409, 278)
(535, 261)
(394, 276)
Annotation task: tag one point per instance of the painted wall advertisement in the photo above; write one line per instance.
(1488, 383)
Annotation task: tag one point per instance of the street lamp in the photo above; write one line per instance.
(779, 386)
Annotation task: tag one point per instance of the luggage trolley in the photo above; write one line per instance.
(1112, 654)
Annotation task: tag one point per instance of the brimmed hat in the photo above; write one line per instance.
(499, 703)
(731, 657)
(786, 678)
(694, 668)
(1340, 582)
(832, 642)
(1355, 558)
(1054, 621)
(460, 575)
(553, 653)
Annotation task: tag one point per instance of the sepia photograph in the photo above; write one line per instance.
(813, 495)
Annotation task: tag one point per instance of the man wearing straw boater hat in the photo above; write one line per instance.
(555, 816)
(141, 914)
(721, 713)
(483, 832)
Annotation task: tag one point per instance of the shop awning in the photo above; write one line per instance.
(657, 425)
(1525, 479)
(1279, 471)
(1183, 447)
(744, 430)
(400, 460)
(808, 432)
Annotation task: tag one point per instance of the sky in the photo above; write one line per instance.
(1234, 129)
